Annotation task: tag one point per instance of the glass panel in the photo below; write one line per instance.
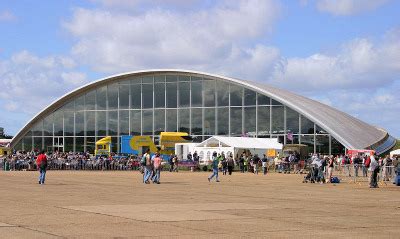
(124, 122)
(80, 103)
(223, 121)
(209, 121)
(170, 78)
(136, 98)
(69, 123)
(112, 123)
(249, 97)
(136, 121)
(236, 95)
(58, 123)
(159, 121)
(277, 125)
(28, 142)
(147, 122)
(79, 143)
(236, 121)
(171, 120)
(309, 141)
(209, 93)
(184, 78)
(159, 79)
(322, 144)
(79, 124)
(274, 102)
(307, 126)
(184, 94)
(90, 144)
(195, 78)
(114, 144)
(294, 140)
(112, 96)
(37, 143)
(263, 100)
(124, 97)
(101, 98)
(159, 95)
(171, 95)
(197, 93)
(48, 144)
(69, 106)
(18, 146)
(48, 125)
(68, 144)
(222, 93)
(197, 118)
(124, 82)
(37, 130)
(319, 130)
(90, 100)
(101, 123)
(147, 79)
(136, 80)
(263, 121)
(90, 123)
(184, 120)
(147, 96)
(337, 147)
(250, 120)
(292, 121)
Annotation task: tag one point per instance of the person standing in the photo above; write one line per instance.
(147, 168)
(374, 168)
(256, 161)
(157, 168)
(241, 163)
(231, 164)
(264, 161)
(330, 168)
(214, 165)
(41, 163)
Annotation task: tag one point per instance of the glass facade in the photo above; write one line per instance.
(148, 105)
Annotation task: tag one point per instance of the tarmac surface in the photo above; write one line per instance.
(84, 204)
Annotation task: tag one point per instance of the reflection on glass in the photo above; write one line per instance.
(307, 126)
(136, 97)
(171, 120)
(263, 121)
(159, 121)
(184, 120)
(250, 120)
(124, 96)
(69, 123)
(159, 95)
(309, 141)
(236, 121)
(209, 121)
(37, 143)
(80, 103)
(159, 79)
(79, 144)
(28, 142)
(112, 96)
(209, 93)
(69, 106)
(171, 95)
(101, 98)
(236, 95)
(223, 121)
(147, 96)
(68, 144)
(147, 122)
(197, 93)
(101, 123)
(277, 124)
(184, 78)
(147, 79)
(112, 122)
(171, 78)
(48, 143)
(124, 122)
(222, 93)
(136, 121)
(184, 94)
(90, 123)
(197, 116)
(37, 130)
(275, 102)
(337, 147)
(79, 124)
(292, 121)
(249, 97)
(322, 144)
(319, 130)
(58, 123)
(90, 100)
(262, 99)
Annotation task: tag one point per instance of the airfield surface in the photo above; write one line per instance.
(84, 204)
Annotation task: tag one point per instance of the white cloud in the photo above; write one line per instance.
(29, 82)
(111, 41)
(348, 7)
(7, 16)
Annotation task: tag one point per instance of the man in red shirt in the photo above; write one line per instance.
(41, 163)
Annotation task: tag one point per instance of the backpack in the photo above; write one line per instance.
(335, 180)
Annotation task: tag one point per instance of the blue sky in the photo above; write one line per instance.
(345, 53)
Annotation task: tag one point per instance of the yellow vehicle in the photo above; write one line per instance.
(103, 146)
(5, 151)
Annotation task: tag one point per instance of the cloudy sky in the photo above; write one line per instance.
(345, 53)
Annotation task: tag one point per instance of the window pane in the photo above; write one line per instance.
(263, 120)
(37, 130)
(48, 125)
(80, 103)
(112, 96)
(197, 93)
(197, 118)
(147, 96)
(236, 95)
(136, 97)
(124, 96)
(147, 122)
(184, 120)
(171, 78)
(171, 120)
(101, 100)
(223, 121)
(69, 123)
(184, 94)
(307, 126)
(90, 100)
(159, 79)
(274, 102)
(58, 123)
(136, 80)
(124, 122)
(79, 143)
(319, 130)
(68, 144)
(28, 143)
(147, 79)
(337, 147)
(90, 144)
(136, 120)
(222, 94)
(236, 121)
(159, 95)
(209, 121)
(263, 100)
(184, 78)
(209, 93)
(48, 143)
(159, 121)
(309, 141)
(277, 120)
(37, 143)
(250, 120)
(69, 107)
(171, 95)
(101, 123)
(112, 123)
(292, 121)
(322, 144)
(79, 124)
(90, 123)
(249, 97)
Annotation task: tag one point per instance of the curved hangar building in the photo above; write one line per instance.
(201, 104)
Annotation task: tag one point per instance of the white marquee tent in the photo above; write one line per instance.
(395, 152)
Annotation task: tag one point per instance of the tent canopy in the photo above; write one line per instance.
(241, 142)
(395, 152)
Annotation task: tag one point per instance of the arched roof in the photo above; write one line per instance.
(349, 131)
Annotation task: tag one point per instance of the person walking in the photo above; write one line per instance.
(241, 163)
(230, 163)
(374, 168)
(157, 168)
(255, 161)
(214, 165)
(41, 163)
(147, 168)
